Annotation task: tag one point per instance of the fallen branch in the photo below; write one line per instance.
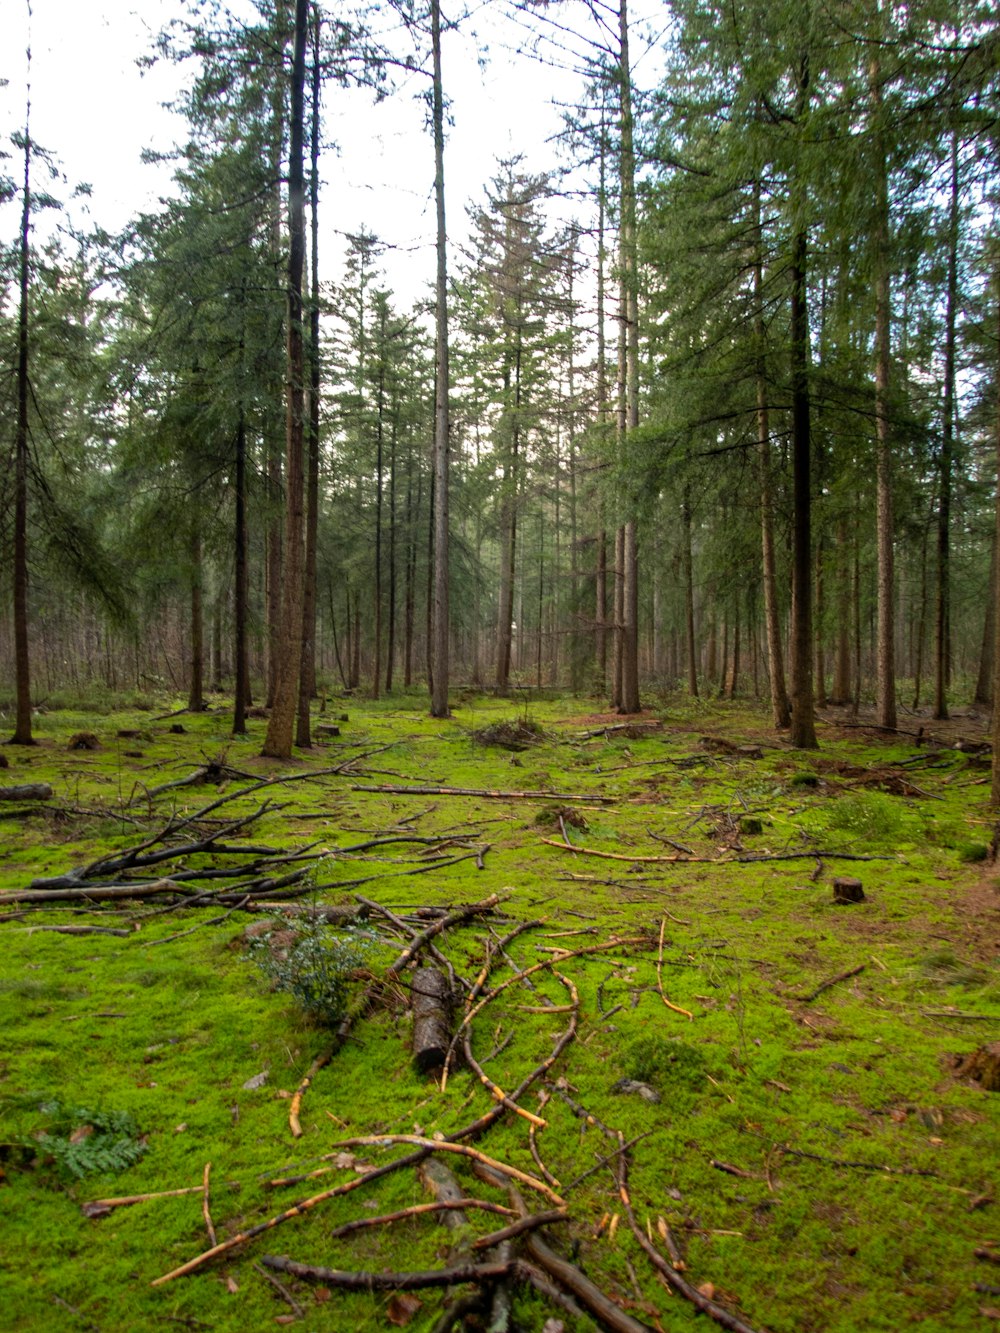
(659, 977)
(205, 1212)
(667, 1270)
(446, 1145)
(98, 1206)
(296, 1104)
(296, 1210)
(384, 1281)
(483, 792)
(825, 985)
(28, 791)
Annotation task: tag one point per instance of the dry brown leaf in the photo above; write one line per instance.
(989, 1312)
(707, 1289)
(84, 1132)
(402, 1308)
(232, 1286)
(321, 1295)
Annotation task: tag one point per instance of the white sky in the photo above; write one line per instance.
(96, 112)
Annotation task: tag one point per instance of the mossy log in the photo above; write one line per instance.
(431, 1018)
(29, 791)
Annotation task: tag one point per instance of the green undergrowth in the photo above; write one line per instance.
(812, 1148)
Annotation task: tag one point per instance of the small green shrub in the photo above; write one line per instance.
(973, 852)
(81, 1141)
(868, 814)
(666, 1064)
(317, 967)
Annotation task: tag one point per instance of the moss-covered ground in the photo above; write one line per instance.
(816, 1152)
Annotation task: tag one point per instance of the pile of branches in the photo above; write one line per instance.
(481, 1272)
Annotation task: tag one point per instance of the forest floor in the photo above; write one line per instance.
(723, 1088)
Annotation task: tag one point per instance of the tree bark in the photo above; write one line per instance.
(307, 664)
(885, 643)
(629, 700)
(942, 626)
(22, 656)
(441, 621)
(278, 740)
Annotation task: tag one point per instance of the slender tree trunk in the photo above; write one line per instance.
(803, 731)
(278, 740)
(441, 623)
(995, 787)
(379, 471)
(983, 697)
(885, 652)
(819, 659)
(841, 690)
(390, 643)
(942, 626)
(780, 712)
(628, 700)
(307, 667)
(196, 690)
(688, 561)
(22, 656)
(241, 594)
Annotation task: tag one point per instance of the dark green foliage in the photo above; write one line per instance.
(81, 1141)
(667, 1065)
(316, 967)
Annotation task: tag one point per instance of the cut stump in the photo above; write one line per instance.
(847, 890)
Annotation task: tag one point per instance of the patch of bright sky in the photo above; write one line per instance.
(96, 111)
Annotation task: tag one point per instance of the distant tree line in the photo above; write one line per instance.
(733, 429)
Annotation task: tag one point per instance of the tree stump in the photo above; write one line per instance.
(983, 1066)
(327, 729)
(431, 1018)
(847, 890)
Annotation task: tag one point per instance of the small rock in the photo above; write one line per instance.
(632, 1086)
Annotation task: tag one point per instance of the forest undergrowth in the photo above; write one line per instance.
(683, 1077)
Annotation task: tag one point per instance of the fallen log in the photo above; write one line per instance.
(431, 994)
(28, 791)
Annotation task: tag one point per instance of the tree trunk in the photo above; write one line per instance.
(22, 657)
(983, 697)
(441, 625)
(629, 701)
(196, 682)
(241, 598)
(885, 649)
(942, 627)
(803, 731)
(278, 740)
(841, 690)
(995, 787)
(307, 665)
(686, 555)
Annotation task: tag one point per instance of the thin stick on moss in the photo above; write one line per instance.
(419, 1210)
(659, 977)
(667, 1270)
(296, 1210)
(825, 985)
(462, 1149)
(124, 1200)
(537, 1157)
(384, 1281)
(321, 1060)
(436, 927)
(530, 1223)
(485, 793)
(205, 1210)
